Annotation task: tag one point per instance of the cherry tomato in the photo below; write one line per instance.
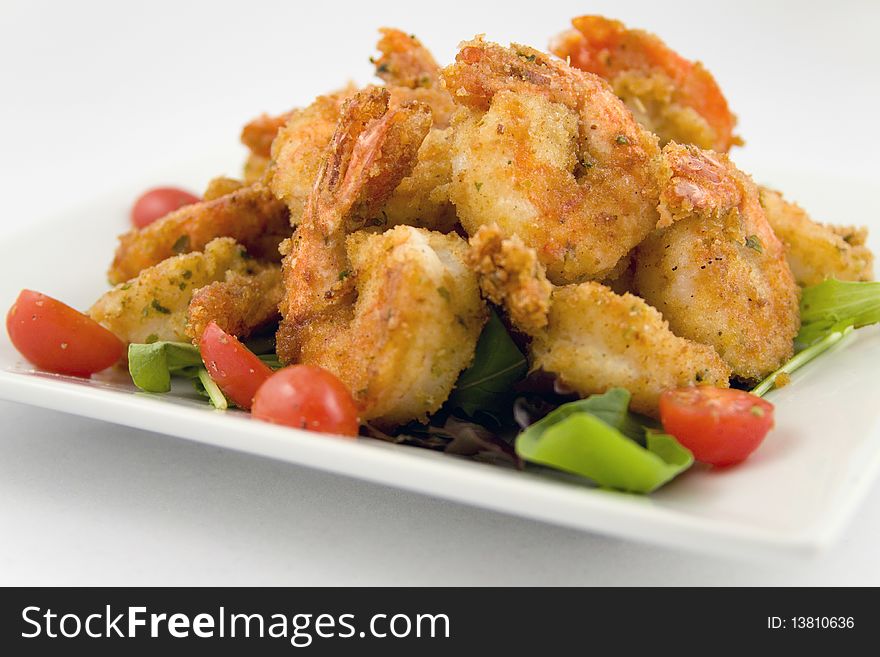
(721, 426)
(307, 397)
(232, 366)
(156, 203)
(55, 337)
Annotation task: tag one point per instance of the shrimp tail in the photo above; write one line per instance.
(373, 148)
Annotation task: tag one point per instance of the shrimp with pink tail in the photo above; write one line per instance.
(395, 315)
(547, 152)
(675, 98)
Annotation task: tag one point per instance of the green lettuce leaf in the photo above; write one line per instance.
(830, 311)
(486, 386)
(834, 305)
(599, 439)
(152, 365)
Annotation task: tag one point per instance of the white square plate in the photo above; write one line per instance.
(792, 497)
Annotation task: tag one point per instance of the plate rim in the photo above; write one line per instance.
(428, 473)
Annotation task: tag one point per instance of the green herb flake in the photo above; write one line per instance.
(478, 185)
(125, 286)
(621, 139)
(754, 242)
(444, 293)
(345, 273)
(187, 274)
(181, 245)
(159, 308)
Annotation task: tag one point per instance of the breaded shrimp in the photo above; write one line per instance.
(718, 272)
(817, 251)
(240, 304)
(298, 148)
(221, 186)
(592, 338)
(422, 198)
(153, 306)
(259, 133)
(411, 73)
(250, 215)
(395, 316)
(674, 98)
(549, 153)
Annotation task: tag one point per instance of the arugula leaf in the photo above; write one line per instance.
(830, 311)
(598, 438)
(152, 365)
(205, 384)
(486, 385)
(833, 305)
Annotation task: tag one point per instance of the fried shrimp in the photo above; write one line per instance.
(674, 98)
(817, 251)
(411, 73)
(718, 272)
(240, 304)
(396, 315)
(298, 148)
(153, 306)
(550, 154)
(422, 198)
(591, 338)
(250, 215)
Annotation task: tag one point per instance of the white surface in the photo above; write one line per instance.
(98, 96)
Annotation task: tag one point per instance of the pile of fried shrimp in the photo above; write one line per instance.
(585, 194)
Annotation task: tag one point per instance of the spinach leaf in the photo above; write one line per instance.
(486, 386)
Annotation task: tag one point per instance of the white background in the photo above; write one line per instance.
(97, 95)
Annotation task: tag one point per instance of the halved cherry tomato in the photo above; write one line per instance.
(156, 203)
(307, 397)
(721, 426)
(55, 337)
(232, 366)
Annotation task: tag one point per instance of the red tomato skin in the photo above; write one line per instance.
(232, 366)
(57, 338)
(157, 202)
(307, 397)
(721, 426)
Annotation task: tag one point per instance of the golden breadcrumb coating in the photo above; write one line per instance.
(240, 304)
(817, 251)
(592, 338)
(510, 275)
(250, 215)
(549, 153)
(255, 168)
(674, 98)
(298, 148)
(395, 316)
(718, 273)
(410, 72)
(153, 305)
(221, 186)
